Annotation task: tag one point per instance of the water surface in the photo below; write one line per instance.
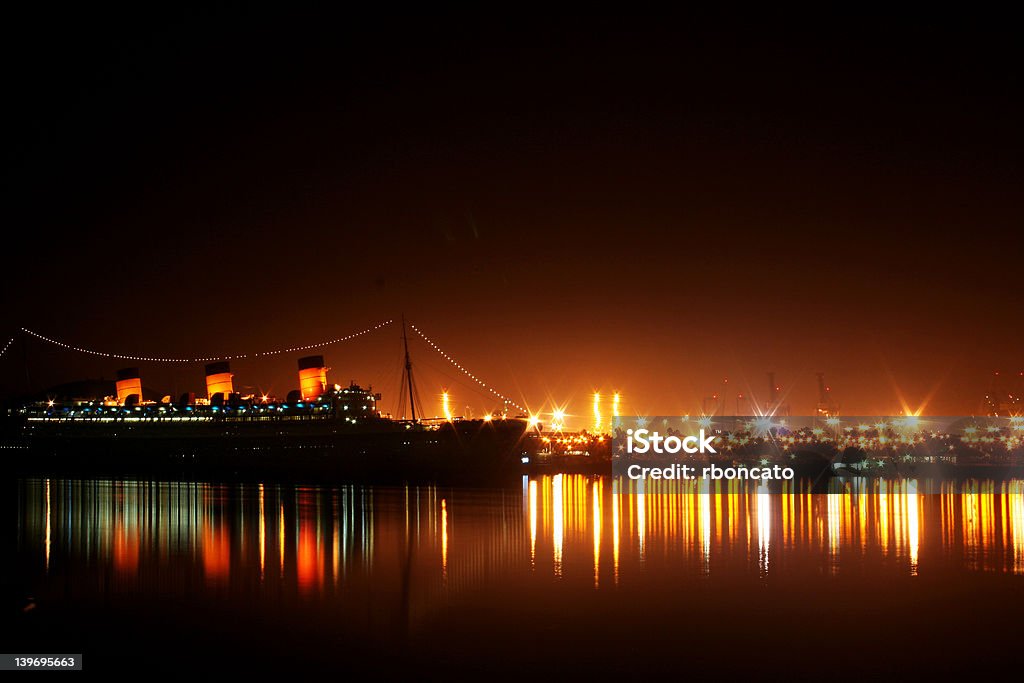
(560, 574)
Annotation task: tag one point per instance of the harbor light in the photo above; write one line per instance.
(446, 408)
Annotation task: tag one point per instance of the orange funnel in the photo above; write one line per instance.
(218, 379)
(128, 383)
(312, 377)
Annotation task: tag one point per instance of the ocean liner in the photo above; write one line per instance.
(320, 430)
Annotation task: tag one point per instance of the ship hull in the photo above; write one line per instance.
(315, 450)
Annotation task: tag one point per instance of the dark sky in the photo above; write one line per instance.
(566, 204)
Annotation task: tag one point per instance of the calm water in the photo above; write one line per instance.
(558, 575)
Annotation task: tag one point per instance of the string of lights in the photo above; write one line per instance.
(7, 346)
(464, 371)
(326, 343)
(207, 359)
(105, 354)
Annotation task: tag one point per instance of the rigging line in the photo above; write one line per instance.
(394, 376)
(458, 380)
(415, 401)
(397, 379)
(158, 359)
(7, 346)
(463, 369)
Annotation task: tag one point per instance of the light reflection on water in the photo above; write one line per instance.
(412, 577)
(566, 527)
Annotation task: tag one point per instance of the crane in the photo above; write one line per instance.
(826, 406)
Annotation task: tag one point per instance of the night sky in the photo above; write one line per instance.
(565, 204)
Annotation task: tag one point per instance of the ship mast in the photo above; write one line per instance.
(408, 370)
